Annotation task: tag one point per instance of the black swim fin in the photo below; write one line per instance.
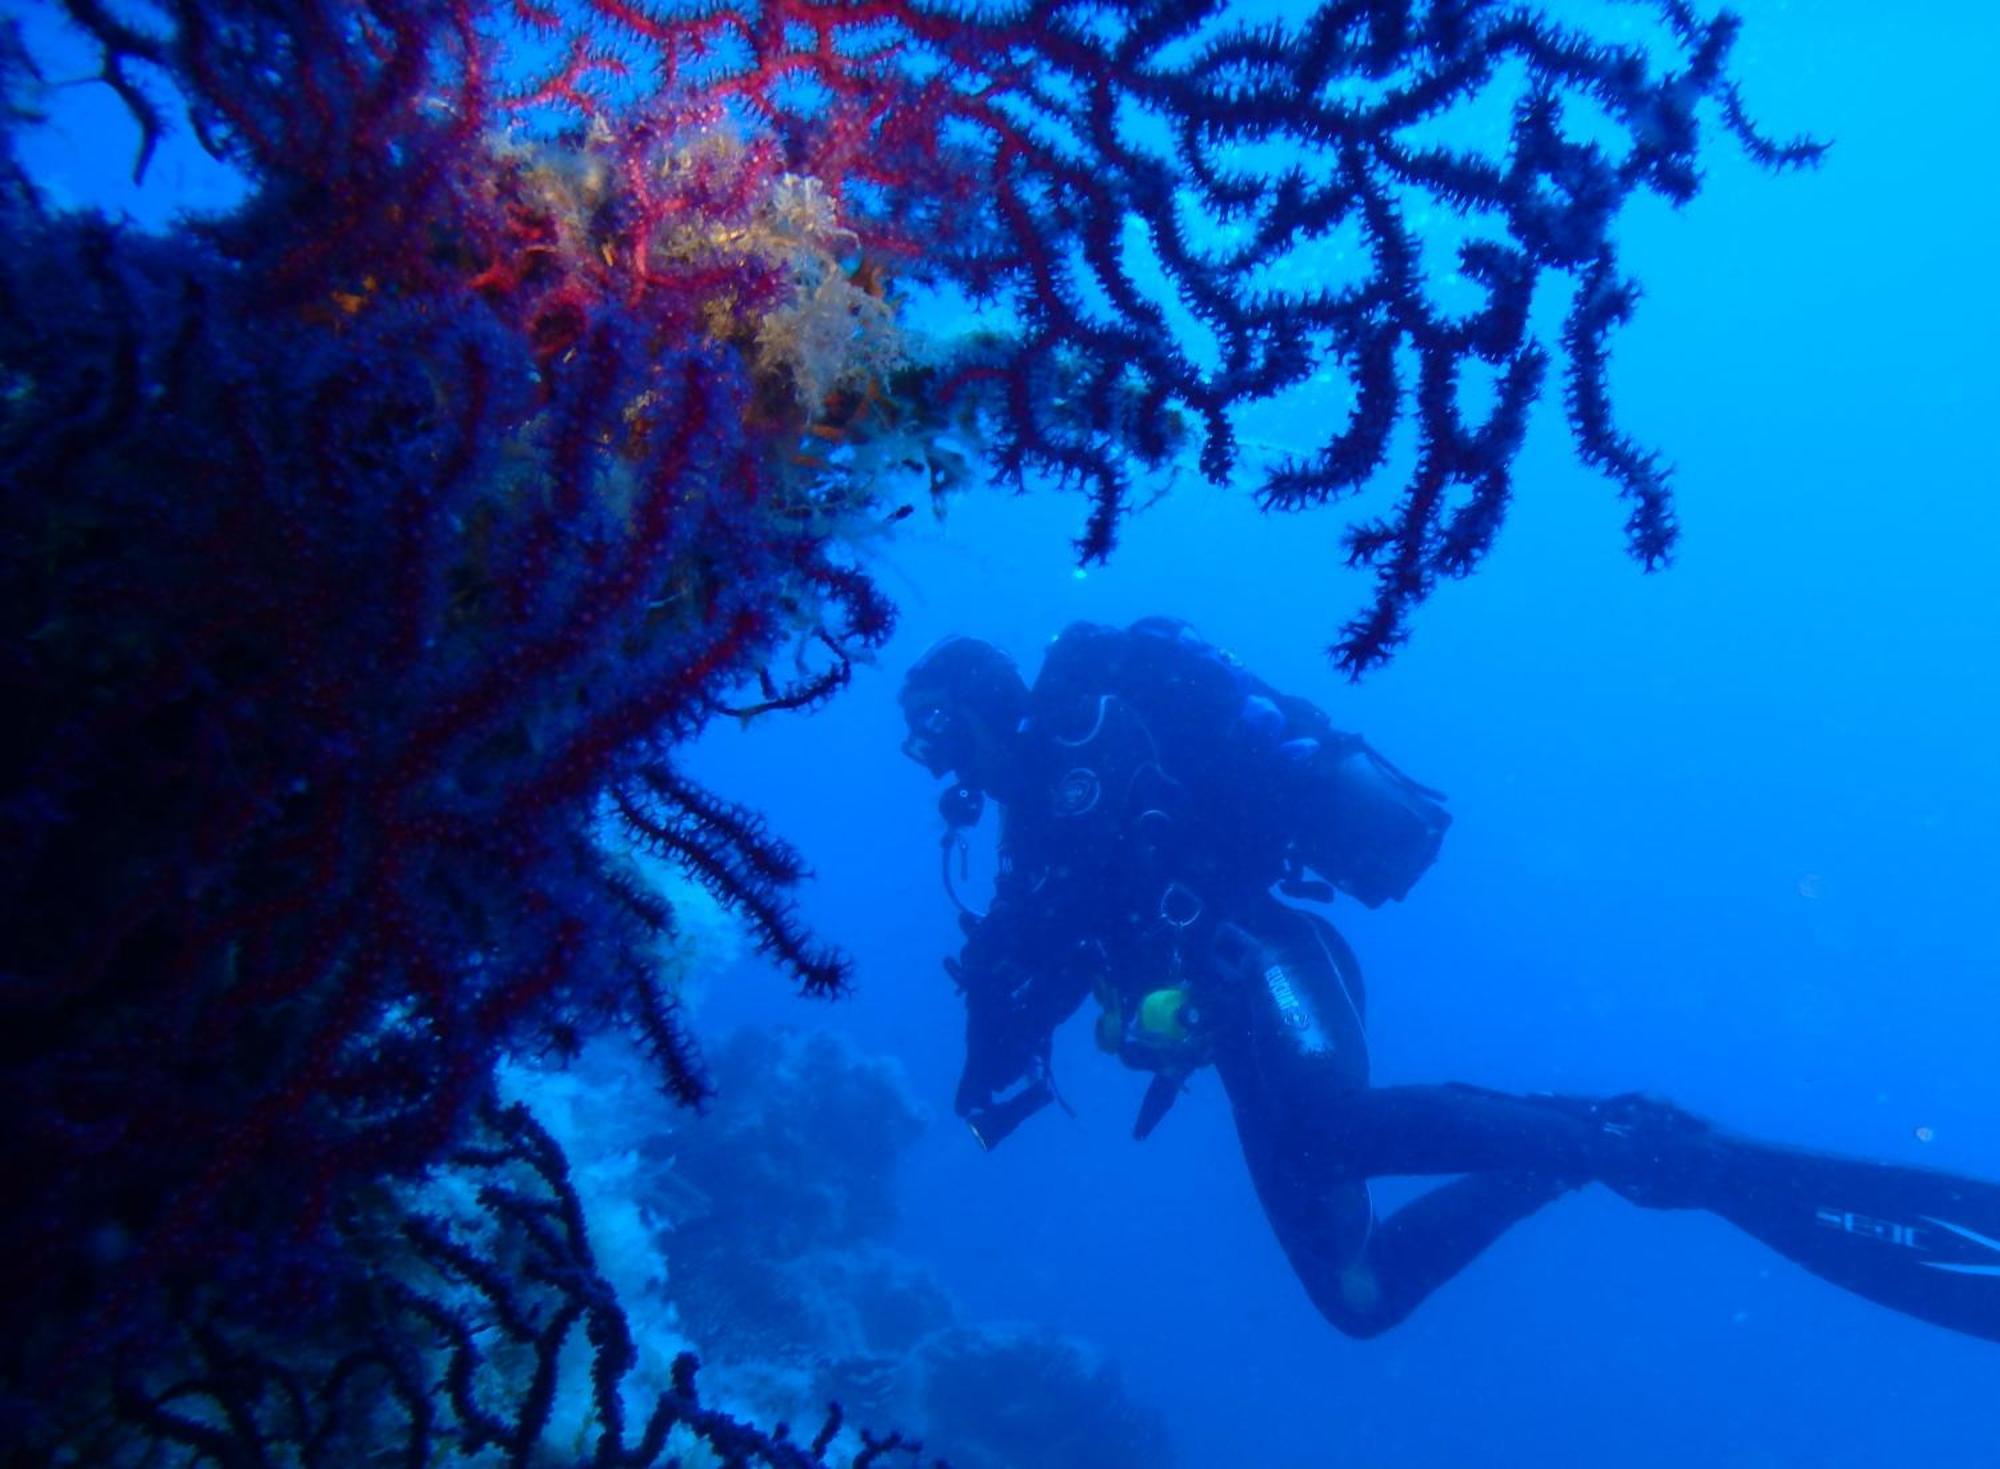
(1917, 1241)
(1912, 1239)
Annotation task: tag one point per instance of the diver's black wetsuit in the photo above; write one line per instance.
(1160, 800)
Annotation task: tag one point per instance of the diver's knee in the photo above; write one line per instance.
(1357, 1326)
(1354, 1304)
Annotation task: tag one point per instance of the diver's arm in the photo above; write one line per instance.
(1012, 1008)
(998, 1091)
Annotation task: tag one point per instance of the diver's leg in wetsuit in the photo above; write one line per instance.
(1430, 1239)
(1423, 1131)
(1295, 1064)
(1296, 1059)
(1366, 1282)
(1918, 1241)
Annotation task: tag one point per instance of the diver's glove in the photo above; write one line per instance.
(992, 1118)
(1006, 1078)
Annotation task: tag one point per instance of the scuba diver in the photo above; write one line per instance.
(1171, 828)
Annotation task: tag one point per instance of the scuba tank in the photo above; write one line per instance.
(1373, 831)
(1353, 818)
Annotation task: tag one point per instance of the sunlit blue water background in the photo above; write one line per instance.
(1726, 833)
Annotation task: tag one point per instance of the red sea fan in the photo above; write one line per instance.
(369, 549)
(358, 545)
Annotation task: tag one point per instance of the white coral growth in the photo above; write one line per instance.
(836, 332)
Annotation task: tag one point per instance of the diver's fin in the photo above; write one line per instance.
(1918, 1241)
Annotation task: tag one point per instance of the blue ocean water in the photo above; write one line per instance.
(1724, 833)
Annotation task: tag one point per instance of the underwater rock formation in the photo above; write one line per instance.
(774, 1214)
(781, 1193)
(348, 601)
(373, 550)
(994, 1399)
(481, 1332)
